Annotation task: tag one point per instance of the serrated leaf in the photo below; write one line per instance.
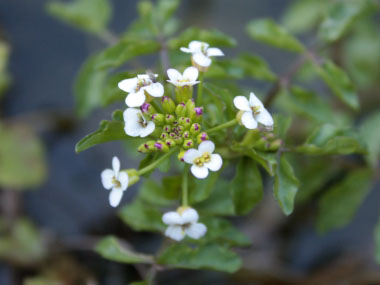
(111, 248)
(268, 32)
(369, 132)
(340, 203)
(211, 257)
(285, 186)
(246, 187)
(88, 15)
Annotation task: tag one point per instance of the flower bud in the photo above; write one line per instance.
(190, 105)
(186, 122)
(133, 176)
(169, 119)
(188, 144)
(202, 137)
(186, 135)
(178, 140)
(146, 147)
(180, 129)
(181, 155)
(172, 135)
(183, 93)
(161, 146)
(167, 128)
(164, 136)
(170, 142)
(158, 118)
(196, 114)
(275, 145)
(147, 108)
(168, 104)
(180, 109)
(195, 129)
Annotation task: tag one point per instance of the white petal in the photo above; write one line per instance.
(124, 180)
(115, 196)
(174, 75)
(189, 216)
(196, 230)
(135, 99)
(191, 73)
(155, 89)
(128, 85)
(264, 117)
(172, 218)
(106, 176)
(206, 146)
(144, 77)
(175, 232)
(214, 52)
(196, 46)
(190, 155)
(184, 49)
(254, 101)
(215, 163)
(242, 103)
(131, 120)
(202, 60)
(116, 165)
(199, 172)
(147, 130)
(248, 120)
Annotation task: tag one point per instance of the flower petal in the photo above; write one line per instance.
(128, 85)
(135, 99)
(185, 49)
(189, 216)
(196, 46)
(206, 146)
(131, 120)
(254, 101)
(115, 196)
(123, 179)
(242, 103)
(106, 176)
(190, 155)
(214, 52)
(174, 75)
(155, 89)
(199, 172)
(172, 218)
(175, 232)
(248, 120)
(147, 130)
(202, 60)
(215, 163)
(116, 165)
(264, 117)
(196, 230)
(191, 73)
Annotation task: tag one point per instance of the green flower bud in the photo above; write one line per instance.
(186, 122)
(180, 129)
(275, 145)
(146, 147)
(180, 110)
(196, 114)
(168, 104)
(169, 119)
(170, 142)
(178, 140)
(164, 136)
(203, 136)
(167, 128)
(186, 135)
(147, 108)
(190, 105)
(183, 93)
(180, 155)
(161, 146)
(158, 119)
(195, 129)
(188, 144)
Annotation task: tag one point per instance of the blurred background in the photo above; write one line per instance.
(60, 206)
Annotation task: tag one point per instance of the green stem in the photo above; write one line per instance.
(200, 89)
(185, 186)
(222, 126)
(155, 163)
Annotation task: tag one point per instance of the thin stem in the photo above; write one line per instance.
(185, 186)
(155, 163)
(222, 126)
(200, 89)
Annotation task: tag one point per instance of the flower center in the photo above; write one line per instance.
(255, 110)
(116, 182)
(204, 49)
(141, 120)
(206, 157)
(199, 161)
(184, 226)
(183, 80)
(142, 83)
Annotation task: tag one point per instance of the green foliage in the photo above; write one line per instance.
(371, 136)
(5, 78)
(340, 203)
(201, 189)
(268, 32)
(377, 241)
(161, 195)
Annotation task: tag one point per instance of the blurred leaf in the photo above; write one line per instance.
(22, 157)
(111, 92)
(246, 187)
(211, 257)
(341, 15)
(377, 242)
(5, 78)
(268, 32)
(339, 204)
(200, 189)
(142, 217)
(285, 186)
(111, 248)
(162, 195)
(369, 132)
(255, 67)
(108, 131)
(339, 83)
(88, 15)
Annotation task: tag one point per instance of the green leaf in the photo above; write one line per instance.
(341, 15)
(142, 217)
(377, 242)
(22, 157)
(339, 83)
(268, 32)
(246, 187)
(285, 186)
(161, 195)
(371, 136)
(111, 92)
(111, 248)
(5, 78)
(212, 257)
(200, 189)
(256, 67)
(340, 203)
(108, 131)
(88, 15)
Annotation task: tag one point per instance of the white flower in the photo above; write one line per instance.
(254, 112)
(203, 159)
(135, 123)
(136, 87)
(201, 52)
(115, 180)
(188, 78)
(183, 222)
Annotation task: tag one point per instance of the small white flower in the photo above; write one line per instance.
(136, 87)
(254, 112)
(183, 222)
(189, 77)
(203, 159)
(201, 53)
(115, 180)
(135, 123)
